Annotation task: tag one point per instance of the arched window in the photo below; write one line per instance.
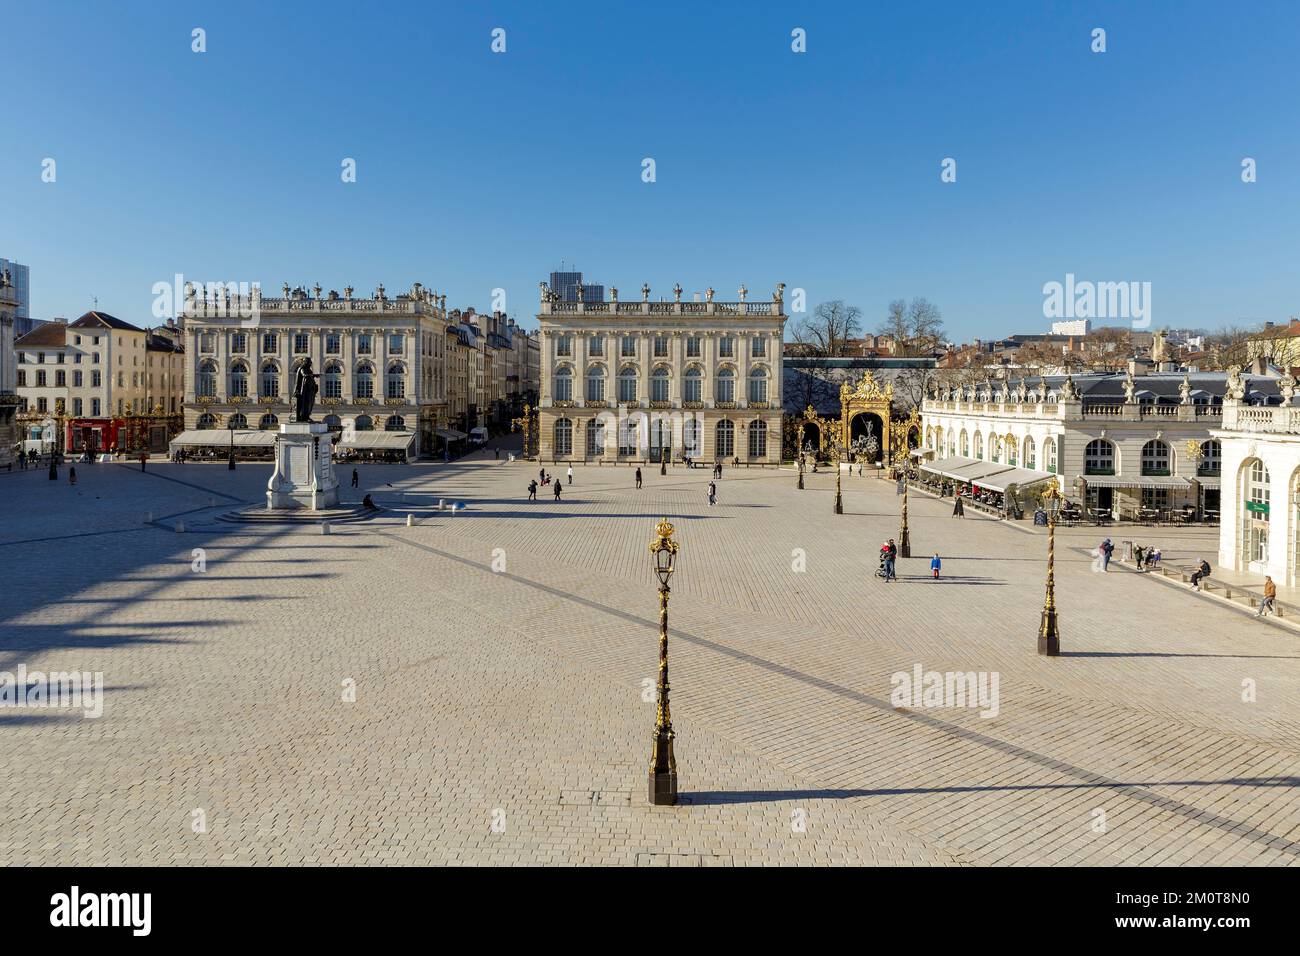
(1099, 457)
(628, 438)
(659, 380)
(268, 422)
(207, 378)
(1255, 507)
(1031, 459)
(237, 420)
(364, 423)
(1012, 449)
(596, 436)
(206, 420)
(563, 438)
(1156, 458)
(951, 444)
(1049, 455)
(627, 385)
(979, 446)
(758, 439)
(395, 423)
(1210, 464)
(691, 446)
(333, 422)
(239, 378)
(564, 384)
(724, 439)
(365, 381)
(331, 381)
(965, 444)
(395, 381)
(596, 385)
(995, 448)
(726, 387)
(270, 387)
(758, 388)
(693, 385)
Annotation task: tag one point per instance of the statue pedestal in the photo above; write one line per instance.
(304, 468)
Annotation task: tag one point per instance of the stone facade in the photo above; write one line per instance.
(381, 360)
(1119, 443)
(629, 381)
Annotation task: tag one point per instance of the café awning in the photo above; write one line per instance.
(1143, 481)
(1020, 477)
(946, 466)
(382, 441)
(450, 434)
(220, 438)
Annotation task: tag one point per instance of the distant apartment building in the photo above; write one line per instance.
(566, 286)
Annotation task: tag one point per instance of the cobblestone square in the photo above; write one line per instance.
(502, 660)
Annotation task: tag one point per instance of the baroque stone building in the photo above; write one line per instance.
(381, 362)
(635, 381)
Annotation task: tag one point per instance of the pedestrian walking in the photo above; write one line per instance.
(1105, 550)
(1270, 594)
(891, 556)
(54, 470)
(958, 509)
(143, 459)
(713, 494)
(541, 475)
(569, 476)
(1200, 574)
(496, 450)
(532, 490)
(356, 479)
(558, 486)
(72, 475)
(638, 477)
(935, 565)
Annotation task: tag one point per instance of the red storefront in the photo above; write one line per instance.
(134, 434)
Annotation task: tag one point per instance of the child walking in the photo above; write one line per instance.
(935, 565)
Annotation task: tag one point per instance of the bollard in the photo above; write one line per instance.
(410, 521)
(325, 527)
(180, 527)
(442, 504)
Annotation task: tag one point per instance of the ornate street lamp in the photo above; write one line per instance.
(837, 445)
(663, 461)
(663, 765)
(904, 538)
(526, 420)
(1049, 634)
(231, 464)
(801, 471)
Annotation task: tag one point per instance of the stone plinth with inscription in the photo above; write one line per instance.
(304, 468)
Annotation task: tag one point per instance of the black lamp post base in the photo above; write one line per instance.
(904, 544)
(663, 788)
(1049, 638)
(801, 481)
(839, 505)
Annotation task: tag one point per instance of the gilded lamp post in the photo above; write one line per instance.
(663, 765)
(904, 537)
(837, 445)
(526, 420)
(1049, 634)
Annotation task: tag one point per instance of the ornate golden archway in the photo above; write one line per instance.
(795, 426)
(869, 398)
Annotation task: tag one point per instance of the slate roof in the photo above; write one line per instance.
(47, 335)
(102, 320)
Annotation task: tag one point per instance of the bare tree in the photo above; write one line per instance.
(916, 327)
(826, 333)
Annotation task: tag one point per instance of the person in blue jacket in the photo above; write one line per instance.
(935, 565)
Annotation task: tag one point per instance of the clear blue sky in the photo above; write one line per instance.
(477, 170)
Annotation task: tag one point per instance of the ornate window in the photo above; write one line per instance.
(268, 422)
(207, 378)
(301, 343)
(365, 343)
(331, 380)
(1211, 461)
(965, 444)
(1031, 460)
(758, 346)
(726, 347)
(596, 383)
(395, 381)
(1049, 455)
(627, 347)
(364, 423)
(239, 343)
(396, 344)
(693, 384)
(661, 346)
(270, 379)
(693, 347)
(596, 346)
(238, 420)
(365, 381)
(979, 446)
(563, 438)
(395, 423)
(564, 384)
(563, 346)
(270, 342)
(724, 439)
(691, 444)
(726, 385)
(239, 378)
(758, 439)
(333, 344)
(1156, 458)
(1099, 457)
(1012, 449)
(206, 420)
(757, 383)
(596, 436)
(627, 384)
(659, 384)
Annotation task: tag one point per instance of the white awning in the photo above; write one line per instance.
(1145, 481)
(450, 434)
(1208, 481)
(945, 466)
(1020, 477)
(389, 441)
(220, 438)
